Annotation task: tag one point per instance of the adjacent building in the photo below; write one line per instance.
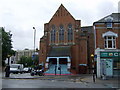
(107, 45)
(66, 44)
(20, 53)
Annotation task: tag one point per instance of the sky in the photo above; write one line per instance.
(20, 16)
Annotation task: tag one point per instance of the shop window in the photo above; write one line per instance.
(116, 67)
(115, 64)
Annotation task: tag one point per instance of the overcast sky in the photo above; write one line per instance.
(20, 16)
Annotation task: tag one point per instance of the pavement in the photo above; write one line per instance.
(83, 78)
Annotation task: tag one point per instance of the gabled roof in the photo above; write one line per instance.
(59, 12)
(59, 51)
(115, 16)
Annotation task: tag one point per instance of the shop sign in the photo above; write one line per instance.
(109, 54)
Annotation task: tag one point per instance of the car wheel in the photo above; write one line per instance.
(20, 72)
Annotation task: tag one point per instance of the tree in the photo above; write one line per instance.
(36, 60)
(26, 61)
(6, 45)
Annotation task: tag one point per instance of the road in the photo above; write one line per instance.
(26, 81)
(35, 83)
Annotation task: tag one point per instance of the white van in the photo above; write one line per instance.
(16, 68)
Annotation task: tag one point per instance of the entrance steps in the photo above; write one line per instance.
(64, 71)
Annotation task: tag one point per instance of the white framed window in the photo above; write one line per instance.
(110, 42)
(109, 25)
(109, 20)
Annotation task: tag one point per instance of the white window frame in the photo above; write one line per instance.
(109, 25)
(113, 40)
(109, 20)
(109, 34)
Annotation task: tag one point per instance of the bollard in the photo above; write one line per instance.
(103, 77)
(60, 70)
(93, 78)
(55, 69)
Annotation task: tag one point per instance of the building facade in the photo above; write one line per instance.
(65, 43)
(20, 53)
(107, 45)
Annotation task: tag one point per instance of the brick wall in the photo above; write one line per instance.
(101, 29)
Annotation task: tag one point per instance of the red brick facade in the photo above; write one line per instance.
(101, 28)
(80, 49)
(107, 42)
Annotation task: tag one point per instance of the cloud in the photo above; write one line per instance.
(119, 7)
(20, 16)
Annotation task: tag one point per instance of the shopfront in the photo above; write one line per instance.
(108, 62)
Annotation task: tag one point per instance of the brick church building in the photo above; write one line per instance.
(65, 45)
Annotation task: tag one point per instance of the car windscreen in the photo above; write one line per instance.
(14, 66)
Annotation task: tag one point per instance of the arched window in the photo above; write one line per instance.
(61, 33)
(53, 31)
(70, 32)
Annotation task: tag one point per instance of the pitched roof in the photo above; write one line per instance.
(59, 51)
(115, 16)
(61, 11)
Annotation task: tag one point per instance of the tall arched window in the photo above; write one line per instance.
(53, 31)
(70, 32)
(61, 33)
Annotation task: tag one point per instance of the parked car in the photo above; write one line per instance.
(27, 69)
(16, 68)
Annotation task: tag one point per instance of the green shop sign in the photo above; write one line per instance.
(109, 54)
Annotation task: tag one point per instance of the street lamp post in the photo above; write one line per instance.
(34, 44)
(34, 38)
